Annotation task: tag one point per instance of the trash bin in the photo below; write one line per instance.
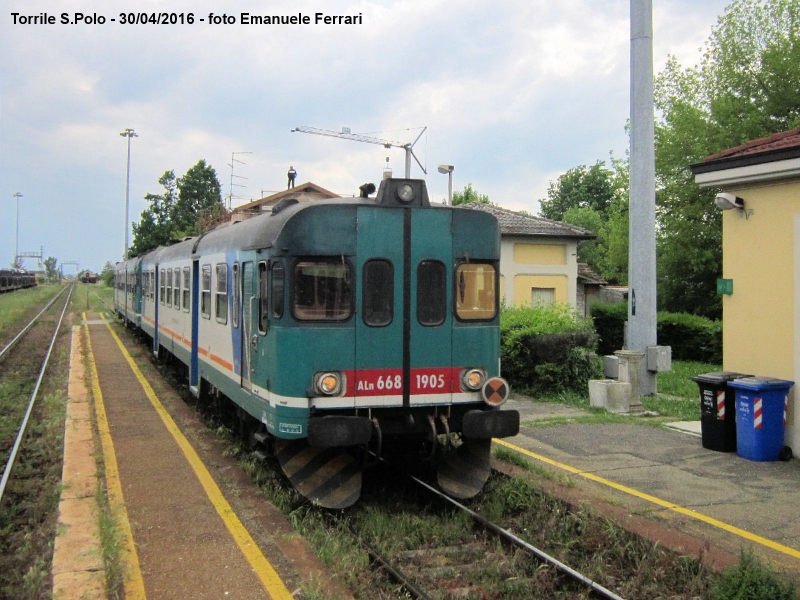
(761, 404)
(718, 410)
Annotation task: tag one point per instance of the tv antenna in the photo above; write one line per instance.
(234, 160)
(345, 134)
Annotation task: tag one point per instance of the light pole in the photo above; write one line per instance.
(128, 133)
(17, 195)
(448, 170)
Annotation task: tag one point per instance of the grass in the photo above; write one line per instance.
(17, 307)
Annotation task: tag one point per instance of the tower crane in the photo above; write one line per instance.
(345, 134)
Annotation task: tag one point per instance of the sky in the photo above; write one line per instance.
(513, 94)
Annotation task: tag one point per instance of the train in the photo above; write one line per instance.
(86, 276)
(16, 279)
(339, 330)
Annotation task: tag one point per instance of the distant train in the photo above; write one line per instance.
(87, 277)
(15, 279)
(338, 327)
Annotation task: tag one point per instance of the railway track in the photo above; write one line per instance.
(31, 352)
(492, 563)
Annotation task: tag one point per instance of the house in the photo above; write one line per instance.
(760, 258)
(305, 192)
(590, 288)
(538, 258)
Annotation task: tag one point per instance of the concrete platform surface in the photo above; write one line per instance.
(736, 503)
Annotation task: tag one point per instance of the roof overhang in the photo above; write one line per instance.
(753, 168)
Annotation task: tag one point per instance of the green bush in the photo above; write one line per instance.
(547, 348)
(691, 337)
(751, 580)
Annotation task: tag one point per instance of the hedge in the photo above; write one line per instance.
(690, 336)
(547, 349)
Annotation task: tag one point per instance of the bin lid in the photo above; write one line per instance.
(760, 384)
(718, 377)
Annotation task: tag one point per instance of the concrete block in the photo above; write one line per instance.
(611, 366)
(659, 358)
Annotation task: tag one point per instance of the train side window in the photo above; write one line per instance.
(476, 298)
(221, 300)
(161, 294)
(263, 311)
(153, 286)
(278, 287)
(236, 287)
(322, 290)
(187, 278)
(431, 293)
(176, 292)
(205, 293)
(169, 287)
(378, 295)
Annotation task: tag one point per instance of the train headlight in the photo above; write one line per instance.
(328, 384)
(405, 193)
(473, 379)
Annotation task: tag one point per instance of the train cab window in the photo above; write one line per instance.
(161, 293)
(186, 288)
(431, 293)
(176, 290)
(236, 289)
(278, 287)
(263, 311)
(322, 290)
(378, 295)
(476, 299)
(221, 294)
(205, 292)
(169, 287)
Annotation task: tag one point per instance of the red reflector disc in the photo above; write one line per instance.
(495, 391)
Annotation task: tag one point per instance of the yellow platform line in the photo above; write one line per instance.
(270, 579)
(743, 533)
(133, 583)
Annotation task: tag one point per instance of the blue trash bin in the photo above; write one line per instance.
(761, 404)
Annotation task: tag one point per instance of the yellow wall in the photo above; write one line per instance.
(524, 283)
(758, 254)
(540, 254)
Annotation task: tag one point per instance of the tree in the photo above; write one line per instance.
(744, 88)
(173, 214)
(107, 274)
(51, 272)
(467, 195)
(580, 187)
(156, 227)
(198, 190)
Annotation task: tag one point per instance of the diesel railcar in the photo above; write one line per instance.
(337, 327)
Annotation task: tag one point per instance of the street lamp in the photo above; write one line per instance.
(448, 170)
(128, 133)
(17, 195)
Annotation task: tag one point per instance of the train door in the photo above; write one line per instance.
(248, 312)
(156, 298)
(194, 363)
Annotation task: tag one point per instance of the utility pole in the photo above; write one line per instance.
(17, 195)
(642, 232)
(128, 133)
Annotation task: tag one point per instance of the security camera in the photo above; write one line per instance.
(728, 201)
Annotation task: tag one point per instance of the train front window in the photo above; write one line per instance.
(378, 298)
(476, 299)
(322, 290)
(431, 293)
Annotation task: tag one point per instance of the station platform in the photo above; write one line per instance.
(186, 529)
(700, 501)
